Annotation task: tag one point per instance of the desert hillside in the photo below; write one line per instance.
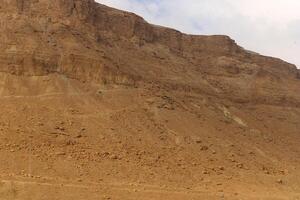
(96, 103)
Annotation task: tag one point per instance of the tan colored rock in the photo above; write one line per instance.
(161, 92)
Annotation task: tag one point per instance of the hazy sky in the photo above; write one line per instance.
(270, 27)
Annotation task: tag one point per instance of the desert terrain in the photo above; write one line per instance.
(96, 103)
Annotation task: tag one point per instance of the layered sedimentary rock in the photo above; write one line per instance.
(89, 41)
(97, 101)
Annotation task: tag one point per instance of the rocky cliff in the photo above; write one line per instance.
(91, 42)
(98, 101)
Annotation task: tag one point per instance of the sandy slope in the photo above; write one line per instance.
(98, 104)
(126, 142)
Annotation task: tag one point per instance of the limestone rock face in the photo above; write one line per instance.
(91, 42)
(133, 110)
(59, 8)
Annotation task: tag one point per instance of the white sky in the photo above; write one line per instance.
(270, 27)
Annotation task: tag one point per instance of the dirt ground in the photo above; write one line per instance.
(96, 103)
(82, 142)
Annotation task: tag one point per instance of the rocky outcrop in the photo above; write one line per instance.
(91, 42)
(96, 101)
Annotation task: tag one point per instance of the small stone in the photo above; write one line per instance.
(60, 128)
(198, 141)
(60, 153)
(114, 157)
(78, 136)
(204, 148)
(279, 181)
(240, 165)
(106, 197)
